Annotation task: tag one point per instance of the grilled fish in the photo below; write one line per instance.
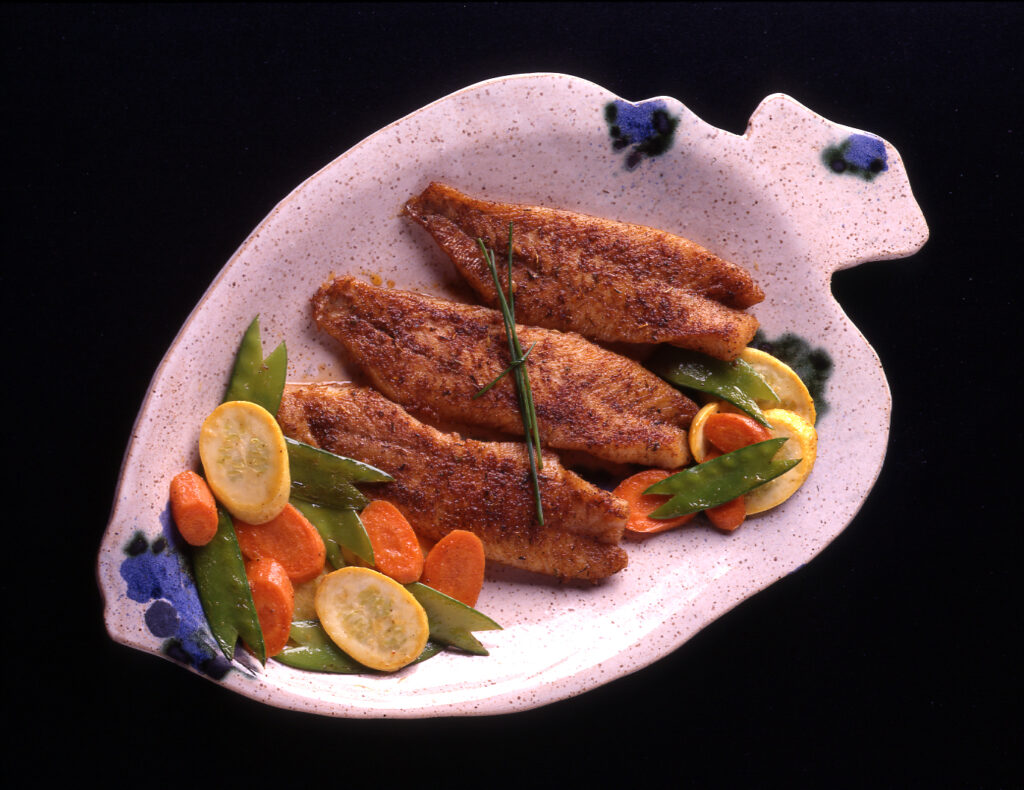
(443, 482)
(610, 281)
(433, 355)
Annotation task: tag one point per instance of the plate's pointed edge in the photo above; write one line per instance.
(918, 231)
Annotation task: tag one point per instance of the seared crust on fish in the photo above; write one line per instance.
(443, 482)
(610, 281)
(433, 355)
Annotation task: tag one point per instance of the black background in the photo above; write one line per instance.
(143, 143)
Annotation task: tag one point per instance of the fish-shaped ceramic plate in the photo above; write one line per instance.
(793, 199)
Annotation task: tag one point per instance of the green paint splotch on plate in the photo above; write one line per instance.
(813, 365)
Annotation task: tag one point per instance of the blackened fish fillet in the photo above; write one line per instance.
(443, 482)
(433, 355)
(610, 281)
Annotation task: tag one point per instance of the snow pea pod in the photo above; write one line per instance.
(314, 651)
(338, 528)
(224, 591)
(254, 378)
(326, 479)
(721, 479)
(735, 382)
(311, 461)
(452, 621)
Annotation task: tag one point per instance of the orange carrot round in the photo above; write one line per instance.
(288, 538)
(729, 515)
(455, 566)
(396, 550)
(642, 505)
(274, 597)
(733, 434)
(193, 508)
(729, 432)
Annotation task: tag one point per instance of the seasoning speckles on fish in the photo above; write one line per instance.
(609, 281)
(433, 356)
(444, 482)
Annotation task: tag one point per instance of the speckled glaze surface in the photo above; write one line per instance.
(793, 199)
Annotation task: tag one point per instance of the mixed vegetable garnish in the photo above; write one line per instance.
(293, 559)
(753, 442)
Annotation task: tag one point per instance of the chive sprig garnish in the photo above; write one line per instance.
(483, 390)
(517, 367)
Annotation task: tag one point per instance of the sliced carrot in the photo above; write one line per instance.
(351, 558)
(455, 566)
(729, 515)
(288, 538)
(642, 505)
(193, 508)
(729, 432)
(274, 597)
(396, 551)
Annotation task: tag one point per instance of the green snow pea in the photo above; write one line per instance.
(721, 479)
(254, 378)
(311, 461)
(452, 621)
(326, 479)
(224, 591)
(735, 382)
(218, 566)
(314, 651)
(338, 528)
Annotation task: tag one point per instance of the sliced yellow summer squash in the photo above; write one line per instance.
(695, 436)
(246, 461)
(803, 443)
(792, 392)
(373, 618)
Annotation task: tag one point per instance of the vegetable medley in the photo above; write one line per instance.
(753, 443)
(292, 558)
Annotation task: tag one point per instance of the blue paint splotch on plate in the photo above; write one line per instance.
(640, 130)
(813, 365)
(156, 574)
(858, 155)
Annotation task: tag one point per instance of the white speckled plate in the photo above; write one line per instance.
(794, 199)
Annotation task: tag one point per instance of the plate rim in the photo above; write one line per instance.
(288, 703)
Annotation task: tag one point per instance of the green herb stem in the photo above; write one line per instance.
(534, 427)
(515, 363)
(518, 369)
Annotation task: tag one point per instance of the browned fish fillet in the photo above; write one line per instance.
(609, 281)
(444, 482)
(433, 355)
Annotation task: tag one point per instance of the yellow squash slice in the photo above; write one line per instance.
(305, 596)
(695, 435)
(792, 392)
(373, 618)
(803, 443)
(246, 461)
